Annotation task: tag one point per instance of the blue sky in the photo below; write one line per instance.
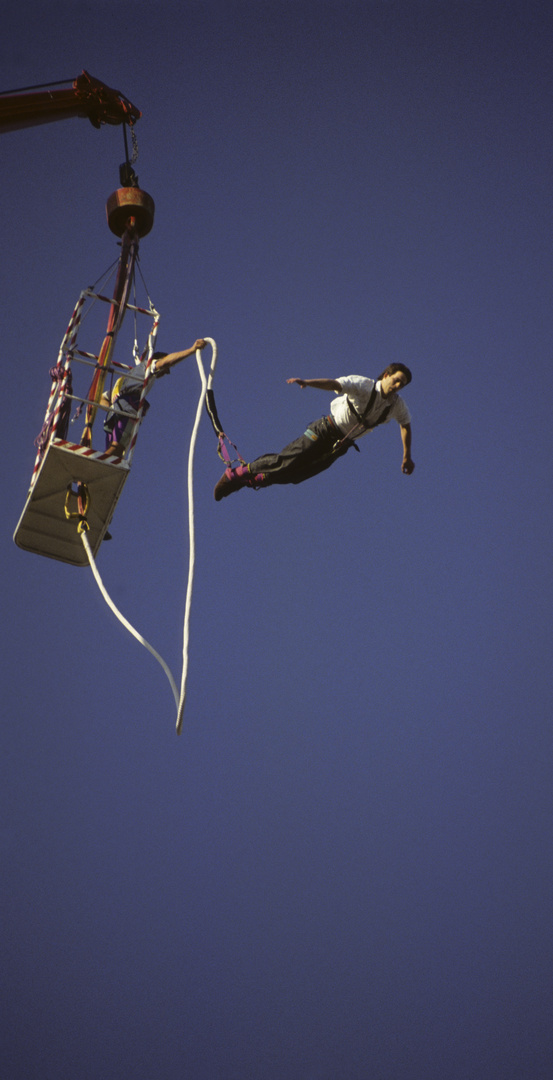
(341, 870)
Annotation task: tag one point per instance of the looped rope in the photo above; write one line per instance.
(84, 500)
(179, 697)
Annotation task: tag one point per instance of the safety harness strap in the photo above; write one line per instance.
(222, 449)
(362, 417)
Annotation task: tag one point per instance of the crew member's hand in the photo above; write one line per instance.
(300, 382)
(408, 466)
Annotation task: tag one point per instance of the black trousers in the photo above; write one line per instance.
(316, 450)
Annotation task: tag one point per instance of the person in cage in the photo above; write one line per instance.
(125, 396)
(361, 405)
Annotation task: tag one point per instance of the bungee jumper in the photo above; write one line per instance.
(361, 405)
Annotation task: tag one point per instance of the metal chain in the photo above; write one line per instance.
(134, 145)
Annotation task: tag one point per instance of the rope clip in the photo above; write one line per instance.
(83, 501)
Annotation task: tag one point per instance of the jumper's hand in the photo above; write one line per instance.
(300, 382)
(199, 344)
(408, 466)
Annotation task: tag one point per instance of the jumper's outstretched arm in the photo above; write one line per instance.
(332, 385)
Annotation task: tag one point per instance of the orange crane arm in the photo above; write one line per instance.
(88, 97)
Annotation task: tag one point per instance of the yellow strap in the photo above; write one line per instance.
(117, 388)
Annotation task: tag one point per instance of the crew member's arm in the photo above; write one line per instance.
(167, 362)
(407, 464)
(319, 384)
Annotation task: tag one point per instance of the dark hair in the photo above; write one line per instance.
(391, 370)
(163, 371)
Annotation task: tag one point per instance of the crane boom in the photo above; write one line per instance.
(88, 97)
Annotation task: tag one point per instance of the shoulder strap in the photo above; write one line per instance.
(366, 412)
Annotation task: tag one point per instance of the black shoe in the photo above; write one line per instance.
(228, 483)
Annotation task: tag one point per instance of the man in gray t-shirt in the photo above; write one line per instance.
(362, 404)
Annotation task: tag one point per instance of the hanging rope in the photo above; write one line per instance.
(122, 618)
(191, 531)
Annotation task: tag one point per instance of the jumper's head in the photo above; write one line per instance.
(394, 378)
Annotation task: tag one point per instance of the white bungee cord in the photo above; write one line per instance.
(180, 698)
(122, 618)
(191, 529)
